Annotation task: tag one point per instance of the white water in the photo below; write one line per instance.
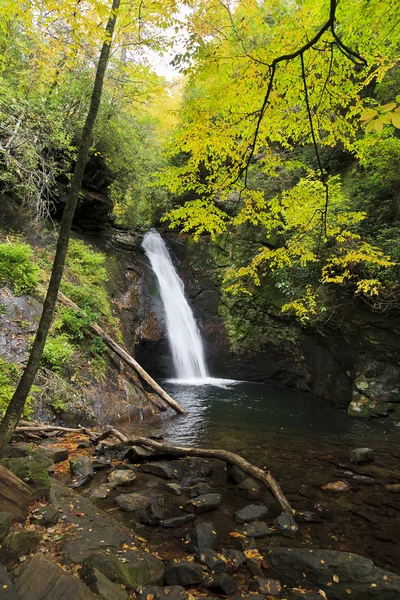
(183, 334)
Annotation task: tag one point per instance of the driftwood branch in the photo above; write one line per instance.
(260, 475)
(129, 360)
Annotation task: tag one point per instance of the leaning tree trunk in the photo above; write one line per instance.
(16, 406)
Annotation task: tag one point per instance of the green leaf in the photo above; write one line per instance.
(398, 99)
(378, 126)
(368, 115)
(396, 120)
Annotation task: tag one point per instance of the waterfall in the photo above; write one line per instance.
(183, 334)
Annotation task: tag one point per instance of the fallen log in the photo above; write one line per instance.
(260, 475)
(15, 495)
(129, 360)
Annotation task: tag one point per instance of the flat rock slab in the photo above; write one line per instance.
(93, 530)
(256, 530)
(203, 503)
(334, 572)
(251, 512)
(41, 579)
(178, 469)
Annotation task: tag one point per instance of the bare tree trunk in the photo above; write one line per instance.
(16, 406)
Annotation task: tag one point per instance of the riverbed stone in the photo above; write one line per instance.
(174, 488)
(200, 489)
(45, 516)
(235, 558)
(103, 587)
(184, 573)
(122, 477)
(203, 503)
(223, 584)
(132, 502)
(337, 487)
(235, 474)
(153, 513)
(270, 587)
(130, 568)
(256, 530)
(251, 512)
(103, 491)
(203, 536)
(137, 454)
(111, 450)
(335, 572)
(172, 592)
(101, 462)
(286, 524)
(82, 471)
(178, 521)
(393, 487)
(362, 456)
(213, 560)
(16, 544)
(6, 520)
(249, 488)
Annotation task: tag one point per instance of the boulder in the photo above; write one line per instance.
(213, 561)
(122, 477)
(136, 454)
(82, 471)
(249, 488)
(103, 587)
(103, 491)
(41, 579)
(189, 468)
(18, 450)
(173, 592)
(251, 512)
(16, 544)
(55, 453)
(286, 524)
(202, 537)
(235, 559)
(178, 521)
(130, 569)
(256, 530)
(111, 450)
(203, 503)
(6, 520)
(223, 584)
(101, 462)
(132, 502)
(33, 470)
(362, 456)
(174, 488)
(7, 589)
(334, 572)
(45, 516)
(183, 572)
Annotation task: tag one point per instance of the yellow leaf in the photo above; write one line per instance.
(368, 115)
(378, 126)
(390, 106)
(335, 579)
(396, 119)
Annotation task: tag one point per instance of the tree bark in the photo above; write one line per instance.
(17, 403)
(127, 358)
(15, 496)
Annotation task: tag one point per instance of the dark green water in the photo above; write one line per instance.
(243, 413)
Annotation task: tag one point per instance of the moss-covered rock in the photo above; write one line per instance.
(16, 544)
(32, 470)
(129, 569)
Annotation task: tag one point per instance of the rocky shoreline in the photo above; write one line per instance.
(144, 526)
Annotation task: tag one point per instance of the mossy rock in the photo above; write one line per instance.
(365, 408)
(32, 470)
(138, 569)
(16, 544)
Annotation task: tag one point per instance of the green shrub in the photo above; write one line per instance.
(17, 267)
(58, 351)
(9, 377)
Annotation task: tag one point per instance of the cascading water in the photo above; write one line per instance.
(183, 334)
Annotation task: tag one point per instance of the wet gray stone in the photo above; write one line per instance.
(103, 491)
(203, 536)
(46, 516)
(199, 489)
(122, 477)
(173, 592)
(212, 561)
(132, 502)
(183, 573)
(222, 583)
(203, 503)
(256, 530)
(235, 558)
(362, 456)
(286, 524)
(252, 512)
(178, 521)
(249, 488)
